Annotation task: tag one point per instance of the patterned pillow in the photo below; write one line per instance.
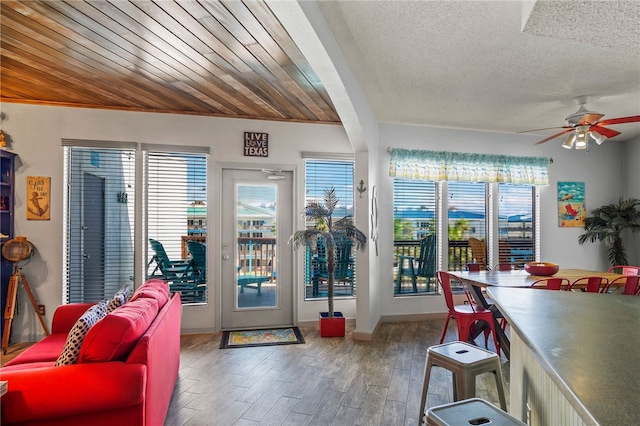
(119, 299)
(79, 331)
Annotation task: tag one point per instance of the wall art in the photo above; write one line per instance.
(571, 208)
(38, 197)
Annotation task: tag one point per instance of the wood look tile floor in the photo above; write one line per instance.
(326, 381)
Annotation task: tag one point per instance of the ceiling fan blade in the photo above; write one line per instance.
(554, 136)
(621, 120)
(590, 117)
(546, 128)
(609, 133)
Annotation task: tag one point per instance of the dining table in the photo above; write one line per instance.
(477, 282)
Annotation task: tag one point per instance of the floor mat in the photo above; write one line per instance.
(267, 337)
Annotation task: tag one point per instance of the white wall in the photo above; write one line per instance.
(631, 171)
(306, 25)
(37, 131)
(599, 169)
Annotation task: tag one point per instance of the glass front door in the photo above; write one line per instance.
(256, 259)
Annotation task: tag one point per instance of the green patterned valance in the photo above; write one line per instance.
(455, 166)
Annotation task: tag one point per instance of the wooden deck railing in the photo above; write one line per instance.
(258, 255)
(459, 252)
(517, 251)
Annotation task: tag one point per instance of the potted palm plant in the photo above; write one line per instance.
(607, 224)
(331, 232)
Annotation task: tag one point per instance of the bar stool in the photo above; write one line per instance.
(473, 411)
(465, 362)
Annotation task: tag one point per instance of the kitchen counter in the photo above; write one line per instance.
(575, 357)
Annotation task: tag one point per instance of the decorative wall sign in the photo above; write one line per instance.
(256, 144)
(571, 208)
(38, 197)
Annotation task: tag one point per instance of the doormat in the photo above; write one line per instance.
(267, 337)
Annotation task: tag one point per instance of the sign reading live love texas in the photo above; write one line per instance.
(256, 144)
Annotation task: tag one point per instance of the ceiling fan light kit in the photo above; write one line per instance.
(598, 137)
(584, 125)
(568, 144)
(582, 134)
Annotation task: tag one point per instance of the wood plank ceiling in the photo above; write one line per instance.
(218, 58)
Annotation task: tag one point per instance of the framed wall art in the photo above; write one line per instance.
(571, 208)
(38, 197)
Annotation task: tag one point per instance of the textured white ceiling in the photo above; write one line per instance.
(503, 66)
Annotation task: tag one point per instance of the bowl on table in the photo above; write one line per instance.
(544, 269)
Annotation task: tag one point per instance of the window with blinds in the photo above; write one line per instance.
(321, 175)
(176, 216)
(414, 218)
(100, 219)
(467, 222)
(517, 228)
(415, 215)
(99, 226)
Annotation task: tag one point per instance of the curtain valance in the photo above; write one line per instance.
(463, 167)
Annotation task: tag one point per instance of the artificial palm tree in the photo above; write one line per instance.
(321, 213)
(607, 224)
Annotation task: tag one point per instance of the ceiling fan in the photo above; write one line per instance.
(584, 125)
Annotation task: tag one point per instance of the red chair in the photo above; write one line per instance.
(465, 315)
(505, 267)
(552, 283)
(592, 284)
(631, 287)
(625, 269)
(475, 267)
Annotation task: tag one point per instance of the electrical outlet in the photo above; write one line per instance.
(41, 310)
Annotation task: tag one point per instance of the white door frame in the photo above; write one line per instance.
(226, 249)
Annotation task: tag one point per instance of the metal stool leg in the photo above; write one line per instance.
(425, 388)
(500, 386)
(468, 387)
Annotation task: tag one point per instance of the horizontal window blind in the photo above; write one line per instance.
(321, 174)
(467, 218)
(99, 222)
(176, 213)
(414, 218)
(414, 209)
(324, 174)
(100, 209)
(516, 224)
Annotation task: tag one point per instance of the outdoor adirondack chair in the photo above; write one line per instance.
(192, 285)
(186, 276)
(344, 265)
(198, 269)
(424, 265)
(166, 269)
(478, 251)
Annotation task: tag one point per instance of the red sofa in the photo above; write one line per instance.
(125, 374)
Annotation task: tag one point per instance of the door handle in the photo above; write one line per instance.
(225, 257)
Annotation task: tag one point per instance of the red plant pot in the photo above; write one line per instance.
(331, 326)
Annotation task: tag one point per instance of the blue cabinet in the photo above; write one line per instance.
(7, 183)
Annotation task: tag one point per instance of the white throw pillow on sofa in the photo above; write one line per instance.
(79, 331)
(119, 299)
